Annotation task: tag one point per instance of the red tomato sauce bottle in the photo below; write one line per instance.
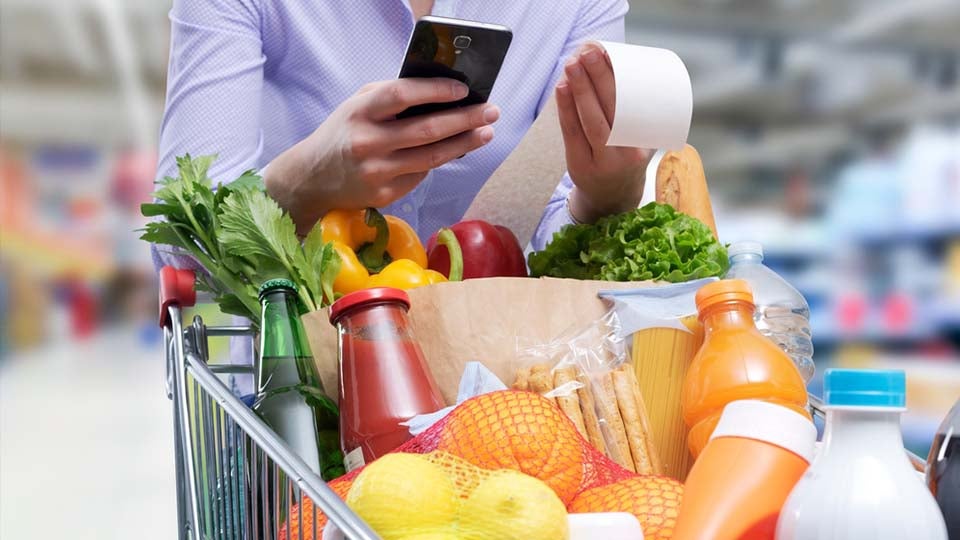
(384, 379)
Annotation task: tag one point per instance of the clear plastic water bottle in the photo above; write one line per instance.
(782, 312)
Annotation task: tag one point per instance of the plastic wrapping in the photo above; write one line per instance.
(584, 371)
(664, 334)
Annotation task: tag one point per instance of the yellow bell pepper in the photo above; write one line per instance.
(378, 251)
(372, 235)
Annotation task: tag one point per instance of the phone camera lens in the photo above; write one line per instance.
(461, 42)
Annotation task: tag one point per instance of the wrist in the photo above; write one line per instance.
(288, 179)
(585, 208)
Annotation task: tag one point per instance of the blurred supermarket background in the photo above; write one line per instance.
(830, 130)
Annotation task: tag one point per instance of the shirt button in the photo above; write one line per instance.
(407, 208)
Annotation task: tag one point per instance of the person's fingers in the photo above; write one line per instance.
(592, 118)
(393, 97)
(574, 140)
(595, 62)
(430, 128)
(431, 156)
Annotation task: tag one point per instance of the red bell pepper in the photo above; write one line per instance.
(488, 251)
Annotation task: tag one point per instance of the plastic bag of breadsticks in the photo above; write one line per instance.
(586, 373)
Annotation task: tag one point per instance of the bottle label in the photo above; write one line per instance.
(354, 459)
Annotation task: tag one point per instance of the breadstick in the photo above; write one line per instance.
(540, 380)
(619, 449)
(570, 403)
(594, 435)
(631, 422)
(682, 184)
(652, 453)
(522, 380)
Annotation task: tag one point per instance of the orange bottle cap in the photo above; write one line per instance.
(770, 423)
(724, 290)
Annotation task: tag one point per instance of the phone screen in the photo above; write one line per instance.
(471, 55)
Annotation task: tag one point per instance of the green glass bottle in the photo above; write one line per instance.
(290, 396)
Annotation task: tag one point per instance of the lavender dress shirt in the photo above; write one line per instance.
(249, 78)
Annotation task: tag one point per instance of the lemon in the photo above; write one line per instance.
(436, 535)
(404, 496)
(510, 505)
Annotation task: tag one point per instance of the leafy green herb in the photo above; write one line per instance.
(240, 236)
(651, 243)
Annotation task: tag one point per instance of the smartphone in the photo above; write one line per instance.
(470, 52)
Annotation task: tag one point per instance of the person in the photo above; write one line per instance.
(307, 92)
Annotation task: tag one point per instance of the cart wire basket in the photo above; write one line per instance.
(235, 478)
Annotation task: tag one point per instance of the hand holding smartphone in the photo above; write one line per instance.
(369, 153)
(470, 52)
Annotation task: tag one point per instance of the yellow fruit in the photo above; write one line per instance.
(510, 505)
(404, 496)
(438, 535)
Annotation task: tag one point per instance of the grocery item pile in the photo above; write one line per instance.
(696, 425)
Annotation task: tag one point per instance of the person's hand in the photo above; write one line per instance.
(362, 155)
(607, 179)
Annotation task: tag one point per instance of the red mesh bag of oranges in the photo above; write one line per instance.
(527, 433)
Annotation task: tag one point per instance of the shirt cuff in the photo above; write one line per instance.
(555, 216)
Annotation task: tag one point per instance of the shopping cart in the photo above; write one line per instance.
(235, 478)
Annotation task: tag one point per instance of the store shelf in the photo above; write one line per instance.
(905, 234)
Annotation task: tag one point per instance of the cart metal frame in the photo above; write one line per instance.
(235, 478)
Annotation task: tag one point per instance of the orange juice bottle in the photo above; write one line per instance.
(735, 362)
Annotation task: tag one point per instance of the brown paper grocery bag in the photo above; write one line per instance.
(478, 319)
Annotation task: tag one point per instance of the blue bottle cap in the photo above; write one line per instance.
(864, 388)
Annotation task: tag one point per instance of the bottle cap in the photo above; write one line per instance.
(864, 388)
(724, 290)
(377, 295)
(770, 423)
(745, 248)
(277, 283)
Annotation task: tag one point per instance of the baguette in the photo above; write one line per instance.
(632, 423)
(610, 412)
(682, 184)
(570, 403)
(588, 409)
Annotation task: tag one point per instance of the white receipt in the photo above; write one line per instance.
(654, 97)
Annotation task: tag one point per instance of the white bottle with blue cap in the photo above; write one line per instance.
(861, 485)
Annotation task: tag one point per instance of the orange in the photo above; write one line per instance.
(340, 486)
(655, 500)
(522, 431)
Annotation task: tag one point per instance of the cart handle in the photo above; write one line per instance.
(176, 288)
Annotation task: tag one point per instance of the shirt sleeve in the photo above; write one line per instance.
(599, 20)
(555, 215)
(214, 85)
